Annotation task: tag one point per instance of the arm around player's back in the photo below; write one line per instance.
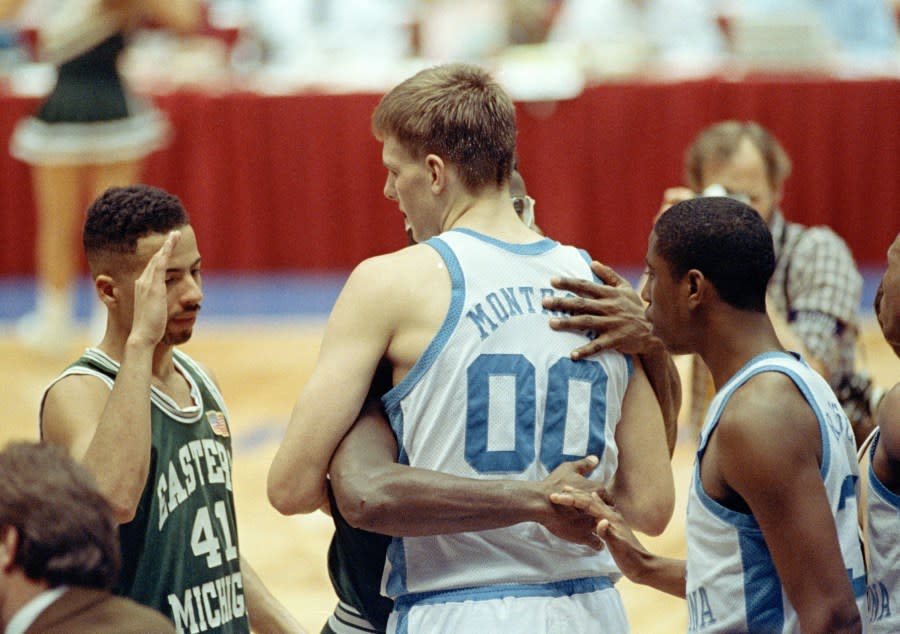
(377, 494)
(767, 449)
(644, 490)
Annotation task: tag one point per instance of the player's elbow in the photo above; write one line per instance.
(655, 520)
(287, 503)
(363, 514)
(364, 500)
(648, 513)
(123, 510)
(661, 510)
(123, 501)
(291, 498)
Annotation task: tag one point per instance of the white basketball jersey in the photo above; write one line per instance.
(496, 396)
(883, 544)
(732, 585)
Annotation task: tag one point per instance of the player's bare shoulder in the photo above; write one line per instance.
(402, 278)
(769, 415)
(407, 259)
(72, 406)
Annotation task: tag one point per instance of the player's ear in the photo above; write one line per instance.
(691, 281)
(696, 285)
(438, 170)
(105, 286)
(9, 543)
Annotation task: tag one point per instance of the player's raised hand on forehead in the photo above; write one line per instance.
(151, 309)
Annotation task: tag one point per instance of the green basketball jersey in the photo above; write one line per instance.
(180, 552)
(355, 564)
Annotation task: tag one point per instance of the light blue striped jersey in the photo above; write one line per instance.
(883, 546)
(732, 585)
(496, 395)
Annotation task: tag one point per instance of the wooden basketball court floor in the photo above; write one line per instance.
(261, 363)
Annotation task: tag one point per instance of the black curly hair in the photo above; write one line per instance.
(122, 215)
(724, 239)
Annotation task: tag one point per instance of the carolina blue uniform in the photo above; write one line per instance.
(496, 395)
(732, 585)
(883, 546)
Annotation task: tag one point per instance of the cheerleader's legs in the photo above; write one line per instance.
(61, 193)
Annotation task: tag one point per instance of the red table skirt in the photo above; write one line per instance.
(289, 183)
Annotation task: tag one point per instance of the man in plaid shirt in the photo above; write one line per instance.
(814, 294)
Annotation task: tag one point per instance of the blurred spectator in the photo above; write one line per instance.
(10, 46)
(297, 31)
(467, 30)
(854, 27)
(675, 31)
(529, 20)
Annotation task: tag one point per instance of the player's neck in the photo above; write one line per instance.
(162, 366)
(730, 344)
(493, 216)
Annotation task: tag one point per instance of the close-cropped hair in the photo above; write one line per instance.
(725, 240)
(458, 112)
(122, 215)
(67, 533)
(719, 142)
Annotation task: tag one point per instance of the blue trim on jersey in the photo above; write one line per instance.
(738, 518)
(735, 377)
(762, 587)
(532, 248)
(392, 397)
(566, 588)
(396, 555)
(741, 521)
(396, 550)
(877, 485)
(397, 423)
(810, 400)
(858, 584)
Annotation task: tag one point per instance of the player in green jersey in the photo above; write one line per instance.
(151, 426)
